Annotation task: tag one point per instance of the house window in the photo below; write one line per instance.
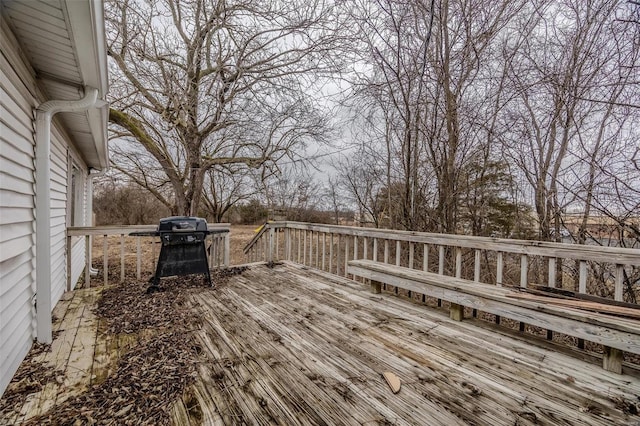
(76, 192)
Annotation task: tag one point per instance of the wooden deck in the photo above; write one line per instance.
(291, 345)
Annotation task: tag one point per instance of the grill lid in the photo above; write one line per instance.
(182, 224)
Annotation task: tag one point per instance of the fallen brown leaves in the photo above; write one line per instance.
(156, 370)
(31, 377)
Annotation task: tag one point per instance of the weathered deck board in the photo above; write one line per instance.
(291, 346)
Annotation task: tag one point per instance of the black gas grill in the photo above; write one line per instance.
(183, 250)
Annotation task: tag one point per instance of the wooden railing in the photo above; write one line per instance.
(217, 243)
(609, 272)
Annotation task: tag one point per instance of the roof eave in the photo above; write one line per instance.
(87, 24)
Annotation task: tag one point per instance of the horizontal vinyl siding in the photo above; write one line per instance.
(58, 217)
(17, 250)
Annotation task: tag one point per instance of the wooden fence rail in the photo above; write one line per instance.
(609, 272)
(218, 244)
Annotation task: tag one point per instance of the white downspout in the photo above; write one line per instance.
(44, 114)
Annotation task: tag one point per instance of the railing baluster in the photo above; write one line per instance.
(398, 252)
(227, 249)
(331, 252)
(299, 246)
(552, 272)
(441, 260)
(499, 269)
(524, 270)
(324, 249)
(272, 240)
(318, 250)
(582, 280)
(287, 243)
(386, 251)
(346, 254)
(338, 254)
(277, 232)
(212, 252)
(355, 247)
(411, 254)
(105, 261)
(375, 249)
(476, 266)
(365, 248)
(87, 261)
(138, 258)
(619, 285)
(425, 257)
(310, 246)
(121, 258)
(458, 262)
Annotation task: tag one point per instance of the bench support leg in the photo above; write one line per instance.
(376, 287)
(612, 360)
(456, 312)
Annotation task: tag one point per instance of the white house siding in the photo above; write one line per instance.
(17, 241)
(58, 217)
(17, 220)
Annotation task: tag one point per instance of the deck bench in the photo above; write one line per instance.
(616, 334)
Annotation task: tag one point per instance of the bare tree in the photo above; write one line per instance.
(430, 64)
(225, 187)
(202, 84)
(294, 191)
(364, 181)
(562, 66)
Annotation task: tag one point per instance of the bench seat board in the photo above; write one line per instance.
(611, 331)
